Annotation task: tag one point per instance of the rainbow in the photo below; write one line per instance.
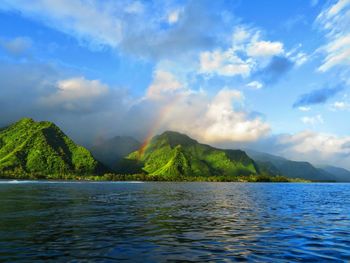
(158, 122)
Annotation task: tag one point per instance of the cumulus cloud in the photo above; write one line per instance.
(223, 123)
(224, 63)
(319, 148)
(164, 84)
(221, 118)
(265, 49)
(250, 55)
(76, 94)
(317, 96)
(335, 21)
(83, 108)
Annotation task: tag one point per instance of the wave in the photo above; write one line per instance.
(65, 182)
(18, 181)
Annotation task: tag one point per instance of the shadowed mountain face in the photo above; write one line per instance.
(174, 154)
(111, 151)
(291, 169)
(41, 147)
(340, 174)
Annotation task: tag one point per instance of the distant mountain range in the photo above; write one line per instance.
(111, 151)
(291, 169)
(340, 174)
(29, 147)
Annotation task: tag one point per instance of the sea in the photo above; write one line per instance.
(62, 221)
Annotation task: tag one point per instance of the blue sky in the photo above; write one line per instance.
(270, 75)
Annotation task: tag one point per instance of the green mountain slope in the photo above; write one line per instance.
(111, 151)
(29, 147)
(173, 154)
(290, 169)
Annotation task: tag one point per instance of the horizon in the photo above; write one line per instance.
(269, 77)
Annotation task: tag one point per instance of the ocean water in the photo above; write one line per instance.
(167, 222)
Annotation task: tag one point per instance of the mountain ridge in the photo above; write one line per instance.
(172, 153)
(30, 147)
(42, 148)
(292, 169)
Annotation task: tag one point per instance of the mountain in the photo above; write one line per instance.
(111, 151)
(340, 174)
(288, 168)
(29, 147)
(173, 154)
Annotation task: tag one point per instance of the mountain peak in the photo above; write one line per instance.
(175, 138)
(173, 154)
(41, 147)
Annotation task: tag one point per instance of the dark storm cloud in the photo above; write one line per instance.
(318, 96)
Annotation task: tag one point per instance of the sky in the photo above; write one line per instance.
(268, 75)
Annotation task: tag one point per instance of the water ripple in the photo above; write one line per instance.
(202, 222)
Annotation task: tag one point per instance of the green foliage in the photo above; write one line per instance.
(148, 177)
(29, 147)
(172, 154)
(40, 150)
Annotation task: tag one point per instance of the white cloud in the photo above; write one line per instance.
(340, 105)
(210, 119)
(335, 21)
(240, 35)
(255, 85)
(75, 94)
(317, 147)
(265, 49)
(164, 84)
(89, 20)
(300, 58)
(224, 123)
(303, 108)
(312, 120)
(224, 63)
(247, 53)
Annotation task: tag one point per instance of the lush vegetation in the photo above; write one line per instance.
(172, 154)
(40, 150)
(29, 147)
(146, 177)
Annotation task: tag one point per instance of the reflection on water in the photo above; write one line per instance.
(174, 221)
